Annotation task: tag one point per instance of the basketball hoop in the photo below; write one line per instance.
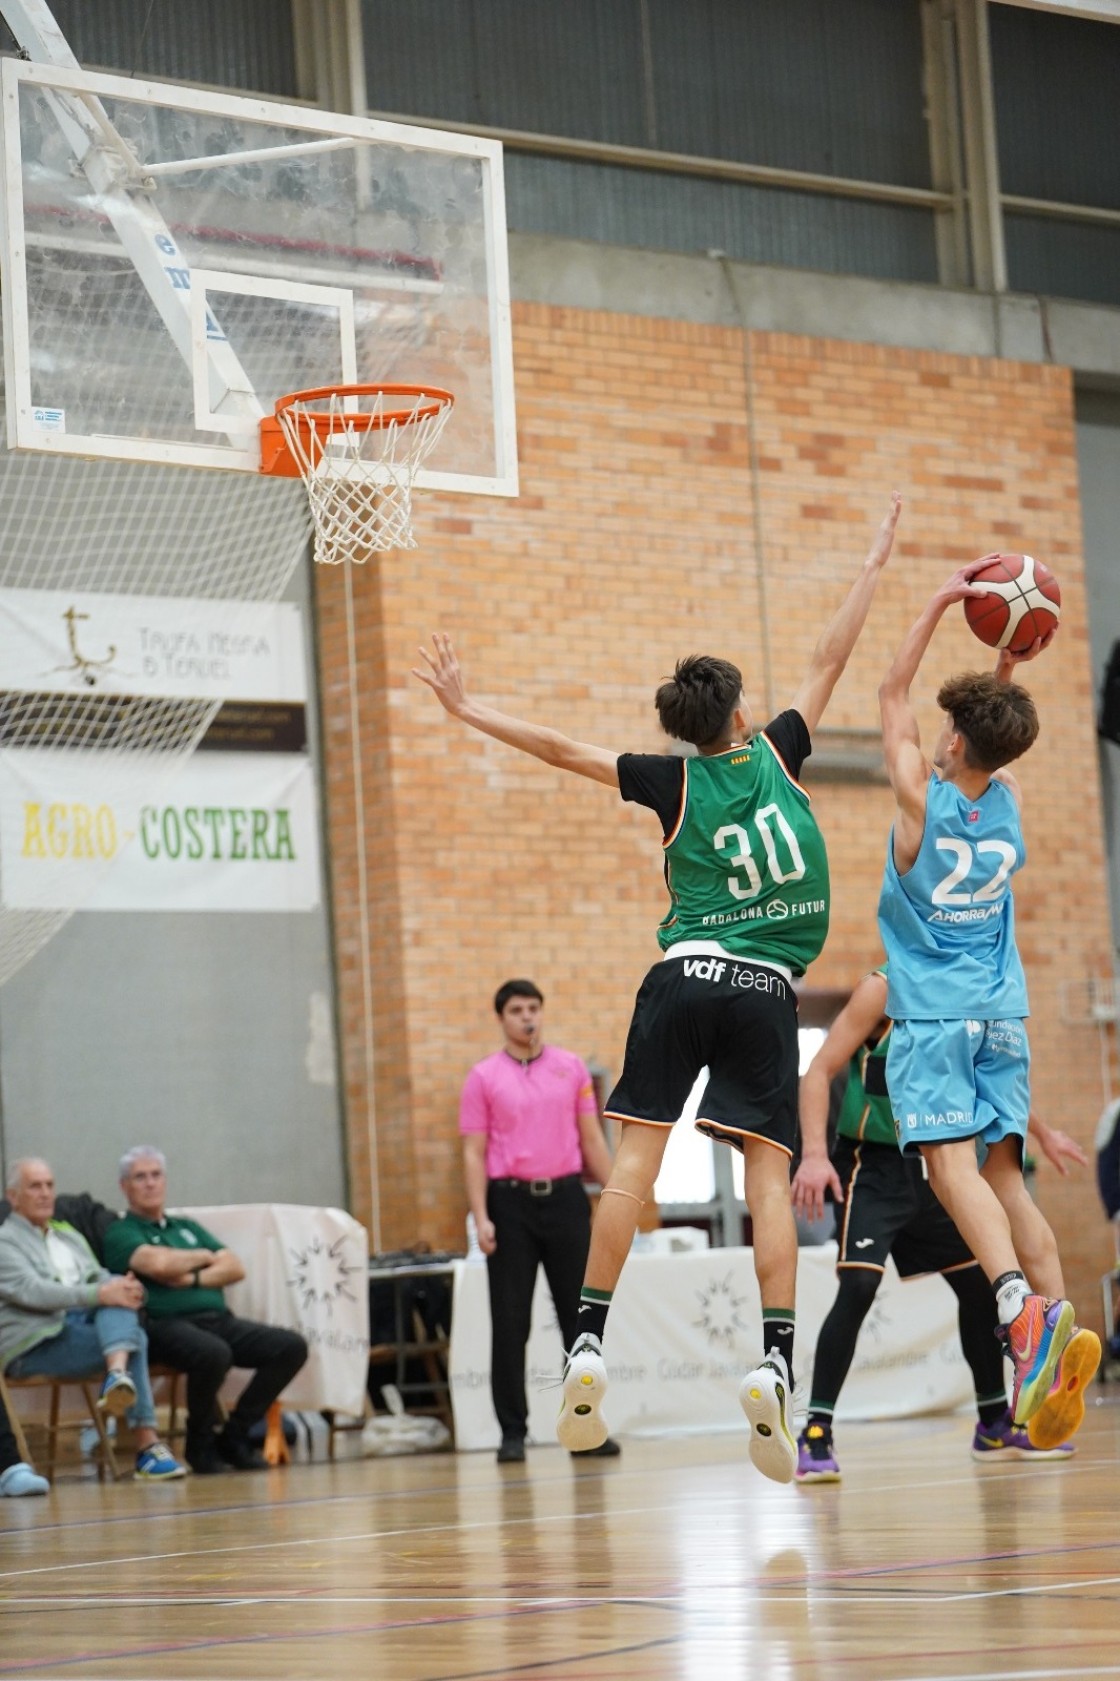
(357, 448)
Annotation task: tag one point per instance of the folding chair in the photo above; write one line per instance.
(55, 1425)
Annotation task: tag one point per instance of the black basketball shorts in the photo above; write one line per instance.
(889, 1209)
(736, 1018)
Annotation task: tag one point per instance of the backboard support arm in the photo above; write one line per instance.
(125, 196)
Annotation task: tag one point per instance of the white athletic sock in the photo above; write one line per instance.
(1012, 1291)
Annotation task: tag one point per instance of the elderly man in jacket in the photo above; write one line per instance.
(63, 1315)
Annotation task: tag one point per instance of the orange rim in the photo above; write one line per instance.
(329, 422)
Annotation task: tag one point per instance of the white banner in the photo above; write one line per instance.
(306, 1269)
(684, 1328)
(65, 641)
(222, 832)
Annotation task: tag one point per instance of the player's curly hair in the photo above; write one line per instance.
(998, 721)
(695, 703)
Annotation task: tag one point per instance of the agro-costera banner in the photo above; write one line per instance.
(101, 805)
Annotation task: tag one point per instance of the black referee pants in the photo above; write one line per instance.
(553, 1231)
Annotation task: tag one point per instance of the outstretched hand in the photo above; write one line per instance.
(443, 676)
(884, 537)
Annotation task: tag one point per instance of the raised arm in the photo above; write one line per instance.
(445, 679)
(839, 637)
(852, 1026)
(1006, 663)
(908, 768)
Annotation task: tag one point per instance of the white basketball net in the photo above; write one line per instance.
(359, 463)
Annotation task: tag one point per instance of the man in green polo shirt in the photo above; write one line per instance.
(185, 1270)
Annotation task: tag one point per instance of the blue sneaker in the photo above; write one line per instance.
(816, 1457)
(118, 1393)
(20, 1479)
(1007, 1440)
(158, 1464)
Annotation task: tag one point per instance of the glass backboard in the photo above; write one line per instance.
(174, 261)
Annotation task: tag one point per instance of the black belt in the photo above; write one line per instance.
(538, 1187)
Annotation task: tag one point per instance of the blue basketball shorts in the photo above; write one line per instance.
(959, 1079)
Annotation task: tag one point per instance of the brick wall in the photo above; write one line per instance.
(648, 527)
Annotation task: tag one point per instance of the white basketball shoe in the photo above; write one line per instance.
(766, 1396)
(581, 1424)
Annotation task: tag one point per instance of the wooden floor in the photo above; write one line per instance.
(675, 1563)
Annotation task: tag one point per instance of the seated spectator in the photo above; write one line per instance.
(184, 1269)
(64, 1315)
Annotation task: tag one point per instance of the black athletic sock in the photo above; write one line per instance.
(594, 1305)
(777, 1332)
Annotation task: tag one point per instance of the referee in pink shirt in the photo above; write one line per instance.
(531, 1134)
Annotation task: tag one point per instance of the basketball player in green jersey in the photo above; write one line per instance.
(747, 875)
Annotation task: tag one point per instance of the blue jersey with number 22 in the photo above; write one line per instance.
(948, 924)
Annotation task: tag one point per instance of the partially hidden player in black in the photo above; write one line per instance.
(748, 884)
(886, 1208)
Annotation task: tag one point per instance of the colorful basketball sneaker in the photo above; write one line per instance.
(1036, 1338)
(1061, 1413)
(816, 1459)
(766, 1396)
(581, 1424)
(1006, 1440)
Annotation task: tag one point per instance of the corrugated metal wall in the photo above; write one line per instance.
(1057, 92)
(231, 43)
(750, 224)
(828, 86)
(808, 85)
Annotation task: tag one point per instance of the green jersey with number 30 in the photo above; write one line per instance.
(746, 863)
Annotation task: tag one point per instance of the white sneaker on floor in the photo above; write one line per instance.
(581, 1424)
(766, 1396)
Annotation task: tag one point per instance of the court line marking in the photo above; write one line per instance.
(729, 1501)
(1019, 1471)
(804, 1581)
(1016, 1470)
(166, 1648)
(804, 1591)
(1017, 1674)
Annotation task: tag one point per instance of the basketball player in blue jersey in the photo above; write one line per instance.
(959, 1063)
(747, 875)
(885, 1209)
